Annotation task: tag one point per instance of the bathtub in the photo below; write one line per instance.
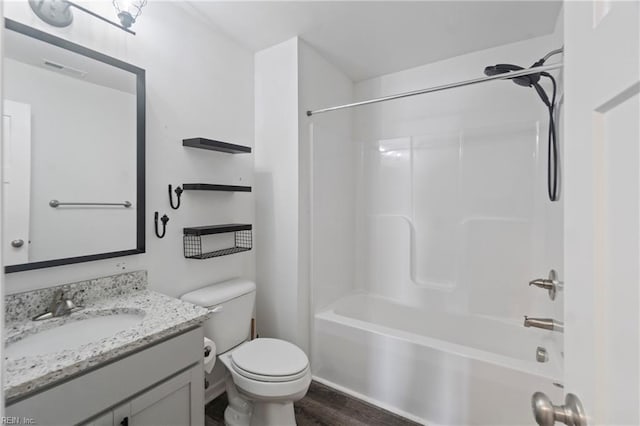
(433, 367)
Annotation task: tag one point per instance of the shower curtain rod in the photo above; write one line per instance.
(504, 76)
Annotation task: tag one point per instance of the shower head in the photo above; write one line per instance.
(533, 80)
(530, 80)
(524, 80)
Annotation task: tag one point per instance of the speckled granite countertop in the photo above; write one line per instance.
(162, 316)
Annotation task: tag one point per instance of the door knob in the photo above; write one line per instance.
(547, 414)
(17, 243)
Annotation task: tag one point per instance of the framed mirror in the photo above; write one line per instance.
(73, 152)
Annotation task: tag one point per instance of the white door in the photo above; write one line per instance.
(602, 209)
(16, 180)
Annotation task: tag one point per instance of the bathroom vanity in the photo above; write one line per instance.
(129, 357)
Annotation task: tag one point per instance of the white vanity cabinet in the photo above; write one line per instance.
(168, 403)
(160, 385)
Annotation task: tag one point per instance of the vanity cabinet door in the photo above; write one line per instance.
(104, 420)
(122, 414)
(178, 401)
(175, 402)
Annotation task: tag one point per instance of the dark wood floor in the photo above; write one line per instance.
(322, 406)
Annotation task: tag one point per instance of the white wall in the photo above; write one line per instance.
(276, 170)
(292, 77)
(80, 133)
(455, 205)
(199, 83)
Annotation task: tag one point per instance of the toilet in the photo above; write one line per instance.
(266, 376)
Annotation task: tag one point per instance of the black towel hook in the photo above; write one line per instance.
(164, 220)
(178, 192)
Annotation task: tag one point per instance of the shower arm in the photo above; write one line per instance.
(553, 52)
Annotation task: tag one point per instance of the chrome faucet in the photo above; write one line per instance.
(59, 306)
(544, 323)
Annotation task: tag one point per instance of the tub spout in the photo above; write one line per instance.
(544, 323)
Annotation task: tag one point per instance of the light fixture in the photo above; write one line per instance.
(128, 10)
(58, 12)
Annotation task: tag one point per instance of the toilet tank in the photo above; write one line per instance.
(231, 303)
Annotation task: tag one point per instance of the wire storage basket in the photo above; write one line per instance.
(193, 244)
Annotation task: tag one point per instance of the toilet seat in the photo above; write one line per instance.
(267, 378)
(270, 360)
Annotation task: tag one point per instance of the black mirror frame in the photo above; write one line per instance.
(140, 149)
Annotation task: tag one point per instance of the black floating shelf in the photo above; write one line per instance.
(216, 229)
(213, 145)
(193, 240)
(213, 187)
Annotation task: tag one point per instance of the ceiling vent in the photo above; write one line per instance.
(64, 69)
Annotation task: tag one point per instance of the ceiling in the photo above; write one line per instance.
(370, 38)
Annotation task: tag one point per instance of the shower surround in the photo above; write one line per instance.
(445, 204)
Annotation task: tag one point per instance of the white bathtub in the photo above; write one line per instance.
(436, 368)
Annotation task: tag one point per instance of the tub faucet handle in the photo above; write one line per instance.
(550, 284)
(542, 283)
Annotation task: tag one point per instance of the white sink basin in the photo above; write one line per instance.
(72, 334)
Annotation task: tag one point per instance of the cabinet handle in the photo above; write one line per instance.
(125, 422)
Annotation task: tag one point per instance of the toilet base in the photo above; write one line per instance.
(263, 414)
(238, 412)
(273, 414)
(233, 417)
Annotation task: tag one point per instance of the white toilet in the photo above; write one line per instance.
(266, 375)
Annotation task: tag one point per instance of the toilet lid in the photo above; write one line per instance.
(264, 358)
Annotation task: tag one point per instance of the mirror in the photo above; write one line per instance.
(73, 152)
